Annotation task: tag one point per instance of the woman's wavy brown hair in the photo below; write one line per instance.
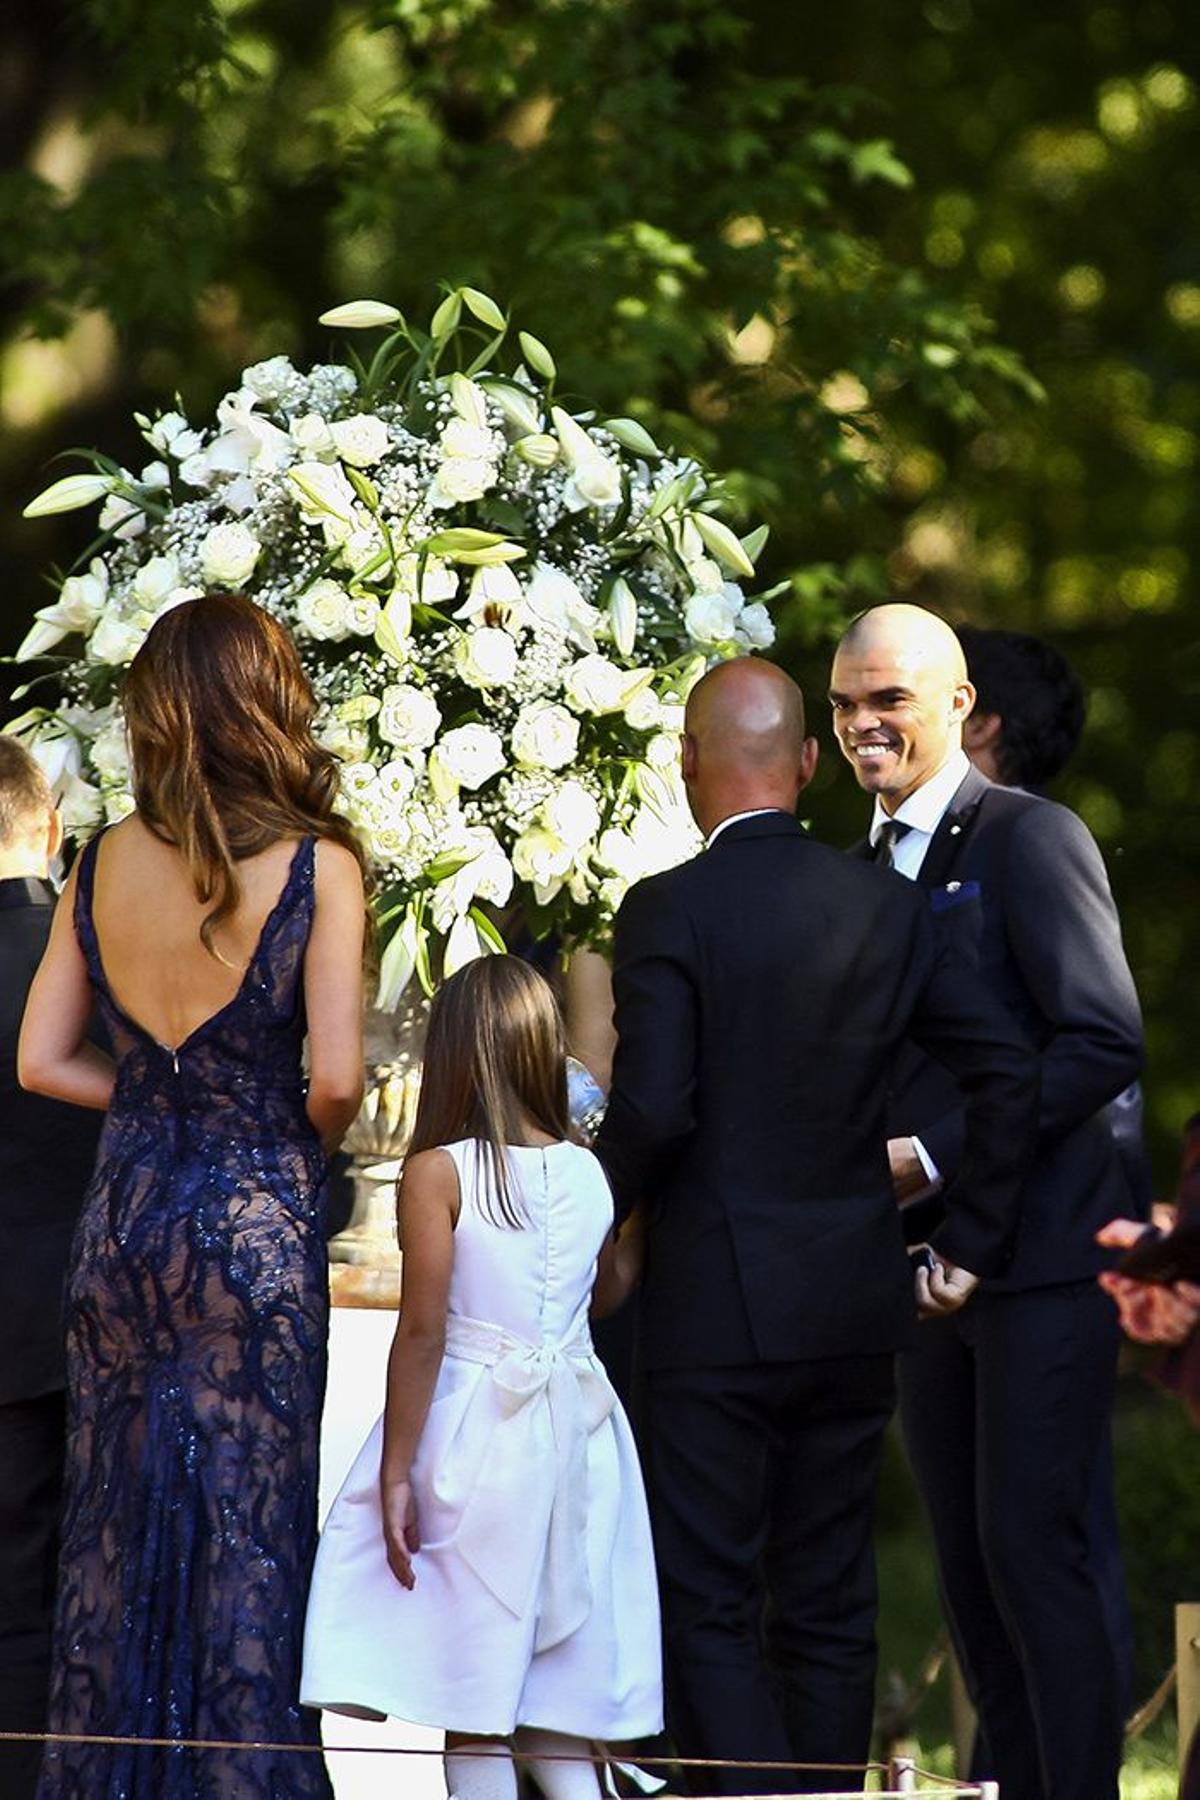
(495, 1062)
(219, 714)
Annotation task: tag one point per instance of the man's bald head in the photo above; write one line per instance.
(744, 743)
(908, 636)
(900, 693)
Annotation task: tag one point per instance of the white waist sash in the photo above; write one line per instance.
(546, 1400)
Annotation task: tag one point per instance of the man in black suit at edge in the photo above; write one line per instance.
(763, 991)
(46, 1156)
(1005, 1408)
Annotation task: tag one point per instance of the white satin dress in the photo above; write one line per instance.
(535, 1600)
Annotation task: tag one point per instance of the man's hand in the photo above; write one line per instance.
(943, 1289)
(908, 1171)
(401, 1533)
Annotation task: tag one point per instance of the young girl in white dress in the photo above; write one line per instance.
(487, 1565)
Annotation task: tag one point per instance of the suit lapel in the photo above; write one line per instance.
(954, 829)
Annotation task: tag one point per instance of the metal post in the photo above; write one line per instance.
(902, 1775)
(1187, 1665)
(989, 1790)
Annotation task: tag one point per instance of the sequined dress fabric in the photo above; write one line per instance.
(196, 1340)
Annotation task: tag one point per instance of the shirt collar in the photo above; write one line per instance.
(923, 810)
(758, 812)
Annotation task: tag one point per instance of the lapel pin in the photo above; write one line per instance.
(954, 830)
(952, 887)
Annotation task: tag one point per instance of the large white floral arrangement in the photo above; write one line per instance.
(501, 603)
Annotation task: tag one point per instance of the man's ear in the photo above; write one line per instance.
(982, 731)
(809, 757)
(963, 704)
(689, 758)
(54, 833)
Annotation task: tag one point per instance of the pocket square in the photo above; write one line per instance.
(955, 893)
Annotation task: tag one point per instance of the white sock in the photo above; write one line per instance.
(480, 1771)
(557, 1780)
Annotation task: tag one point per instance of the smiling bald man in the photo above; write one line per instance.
(1006, 1405)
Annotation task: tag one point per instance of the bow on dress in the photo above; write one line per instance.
(545, 1402)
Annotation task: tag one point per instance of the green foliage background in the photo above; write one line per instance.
(924, 278)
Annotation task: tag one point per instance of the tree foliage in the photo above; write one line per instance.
(777, 236)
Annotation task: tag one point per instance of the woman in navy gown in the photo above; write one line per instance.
(216, 926)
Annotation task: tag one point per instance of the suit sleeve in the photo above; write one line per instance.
(1065, 939)
(959, 1022)
(651, 1104)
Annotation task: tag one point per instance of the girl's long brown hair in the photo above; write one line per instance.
(219, 715)
(495, 1063)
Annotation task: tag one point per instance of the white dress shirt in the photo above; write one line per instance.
(922, 812)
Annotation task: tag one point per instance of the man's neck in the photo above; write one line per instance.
(23, 868)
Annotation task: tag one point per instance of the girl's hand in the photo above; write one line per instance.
(1151, 1313)
(401, 1532)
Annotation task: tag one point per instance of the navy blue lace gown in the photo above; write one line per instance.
(196, 1319)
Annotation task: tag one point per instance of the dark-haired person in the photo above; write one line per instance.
(1006, 1407)
(215, 926)
(1029, 707)
(46, 1156)
(1022, 732)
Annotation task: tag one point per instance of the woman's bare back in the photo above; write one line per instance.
(148, 921)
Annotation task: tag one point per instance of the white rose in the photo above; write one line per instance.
(348, 741)
(571, 814)
(617, 851)
(704, 574)
(396, 782)
(595, 685)
(323, 492)
(408, 717)
(459, 438)
(360, 440)
(115, 641)
(358, 779)
(555, 601)
(459, 479)
(110, 752)
(595, 481)
(155, 581)
(313, 438)
(228, 555)
(756, 626)
(645, 711)
(471, 754)
(81, 805)
(171, 435)
(542, 859)
(712, 618)
(545, 736)
(323, 612)
(155, 476)
(362, 614)
(486, 657)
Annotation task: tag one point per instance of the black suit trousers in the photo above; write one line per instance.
(32, 1436)
(1005, 1408)
(761, 1481)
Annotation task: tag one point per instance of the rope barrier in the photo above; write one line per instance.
(902, 1769)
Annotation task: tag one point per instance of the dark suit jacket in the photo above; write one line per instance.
(46, 1155)
(763, 991)
(1017, 884)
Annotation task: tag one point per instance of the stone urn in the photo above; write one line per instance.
(364, 1257)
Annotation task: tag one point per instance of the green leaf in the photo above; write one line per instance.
(364, 487)
(724, 544)
(484, 308)
(632, 436)
(537, 355)
(447, 315)
(755, 540)
(487, 931)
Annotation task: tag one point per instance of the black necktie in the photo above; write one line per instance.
(888, 837)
